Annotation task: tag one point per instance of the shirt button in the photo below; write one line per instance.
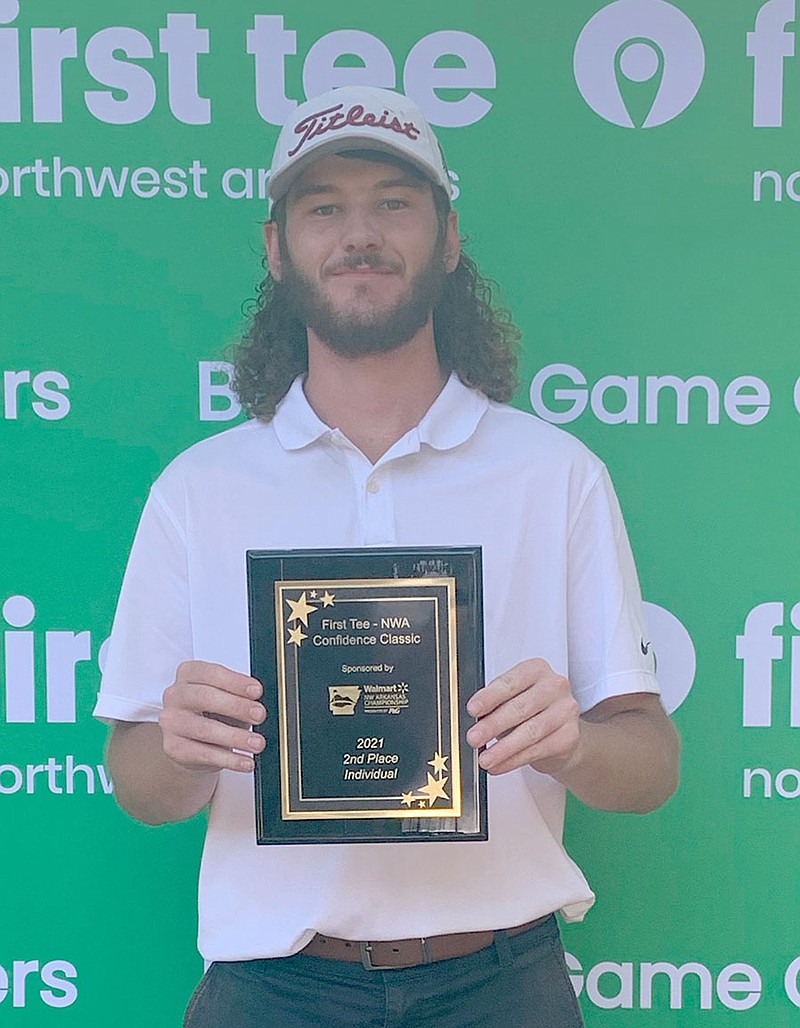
(373, 486)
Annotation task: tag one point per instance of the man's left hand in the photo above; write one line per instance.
(622, 754)
(531, 712)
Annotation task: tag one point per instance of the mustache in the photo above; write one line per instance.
(360, 260)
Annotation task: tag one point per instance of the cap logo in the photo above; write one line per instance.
(332, 118)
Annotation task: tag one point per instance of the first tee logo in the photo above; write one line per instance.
(639, 63)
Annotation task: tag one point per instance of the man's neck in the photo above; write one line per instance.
(374, 400)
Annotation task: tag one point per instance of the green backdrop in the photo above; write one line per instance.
(629, 173)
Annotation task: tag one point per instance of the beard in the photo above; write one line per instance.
(362, 331)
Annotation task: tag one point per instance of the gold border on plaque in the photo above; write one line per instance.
(289, 813)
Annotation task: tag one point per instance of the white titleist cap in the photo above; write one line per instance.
(356, 118)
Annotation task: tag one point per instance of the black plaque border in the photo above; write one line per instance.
(264, 569)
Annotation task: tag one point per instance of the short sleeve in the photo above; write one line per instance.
(608, 646)
(152, 633)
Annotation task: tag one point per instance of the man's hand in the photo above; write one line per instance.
(620, 755)
(532, 713)
(169, 771)
(207, 716)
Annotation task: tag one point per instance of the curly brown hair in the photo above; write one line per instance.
(475, 339)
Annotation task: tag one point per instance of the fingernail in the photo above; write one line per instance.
(254, 690)
(473, 735)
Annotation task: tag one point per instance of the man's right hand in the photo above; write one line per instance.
(208, 714)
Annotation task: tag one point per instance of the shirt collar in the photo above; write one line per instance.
(453, 416)
(450, 420)
(295, 423)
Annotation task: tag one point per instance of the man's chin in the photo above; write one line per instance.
(363, 320)
(362, 340)
(362, 303)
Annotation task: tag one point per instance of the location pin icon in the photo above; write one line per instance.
(639, 67)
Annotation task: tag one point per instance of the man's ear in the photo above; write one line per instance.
(452, 243)
(273, 247)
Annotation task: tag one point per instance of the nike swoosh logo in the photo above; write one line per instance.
(645, 647)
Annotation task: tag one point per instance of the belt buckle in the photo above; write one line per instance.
(365, 949)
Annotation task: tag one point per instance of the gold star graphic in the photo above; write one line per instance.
(313, 594)
(408, 799)
(327, 599)
(300, 609)
(434, 789)
(439, 763)
(296, 635)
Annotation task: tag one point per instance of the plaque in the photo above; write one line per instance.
(368, 658)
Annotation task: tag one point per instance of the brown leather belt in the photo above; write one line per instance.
(379, 956)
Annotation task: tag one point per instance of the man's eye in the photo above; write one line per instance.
(394, 204)
(325, 209)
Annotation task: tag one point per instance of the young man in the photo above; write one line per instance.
(374, 371)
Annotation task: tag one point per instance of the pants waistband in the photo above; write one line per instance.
(378, 956)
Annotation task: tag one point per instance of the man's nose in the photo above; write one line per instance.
(361, 231)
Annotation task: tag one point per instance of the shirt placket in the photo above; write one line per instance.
(379, 524)
(373, 486)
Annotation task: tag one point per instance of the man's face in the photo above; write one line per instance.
(362, 258)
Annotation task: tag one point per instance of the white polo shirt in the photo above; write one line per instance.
(559, 583)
